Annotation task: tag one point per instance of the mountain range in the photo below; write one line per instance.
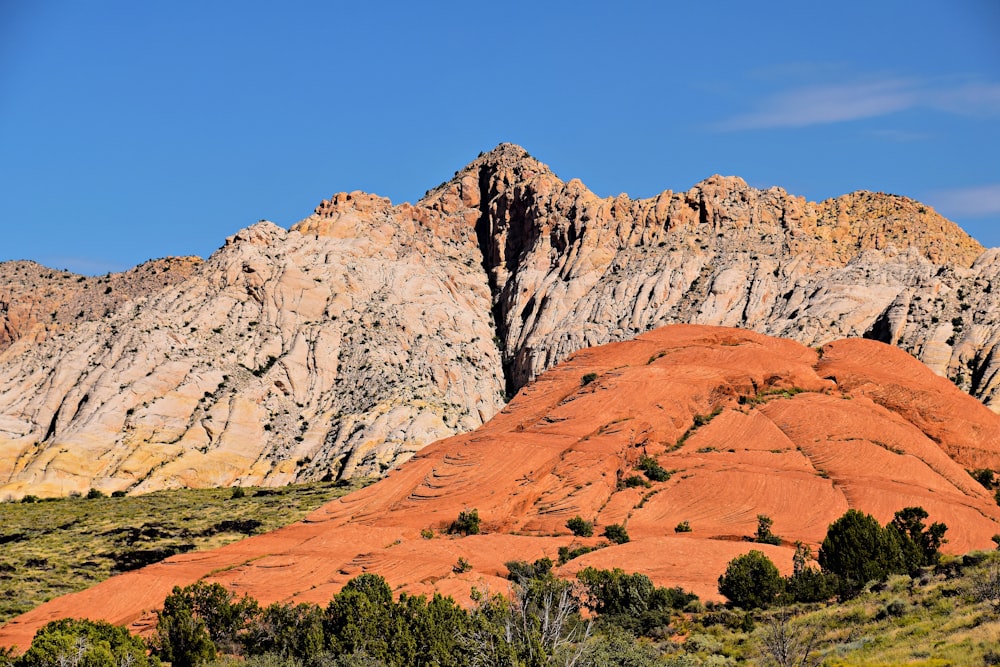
(737, 423)
(344, 345)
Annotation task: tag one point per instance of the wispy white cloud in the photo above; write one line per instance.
(980, 98)
(817, 105)
(870, 98)
(972, 202)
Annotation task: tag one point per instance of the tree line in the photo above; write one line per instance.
(541, 620)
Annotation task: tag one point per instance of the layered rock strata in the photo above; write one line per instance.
(368, 330)
(746, 425)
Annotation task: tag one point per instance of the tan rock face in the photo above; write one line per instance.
(787, 431)
(287, 355)
(36, 302)
(369, 330)
(570, 270)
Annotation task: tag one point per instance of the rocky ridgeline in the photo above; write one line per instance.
(571, 270)
(37, 302)
(368, 330)
(286, 355)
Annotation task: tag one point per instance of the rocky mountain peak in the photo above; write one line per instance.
(345, 344)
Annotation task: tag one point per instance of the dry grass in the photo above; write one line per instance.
(58, 546)
(936, 620)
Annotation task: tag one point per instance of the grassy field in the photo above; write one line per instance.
(941, 617)
(53, 547)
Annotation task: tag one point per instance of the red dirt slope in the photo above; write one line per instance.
(800, 436)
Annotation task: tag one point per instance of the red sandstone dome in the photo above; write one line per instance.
(747, 424)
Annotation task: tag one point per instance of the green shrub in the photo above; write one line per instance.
(587, 379)
(984, 476)
(427, 533)
(764, 534)
(467, 523)
(920, 544)
(633, 481)
(580, 526)
(87, 644)
(682, 527)
(631, 601)
(811, 585)
(94, 493)
(616, 533)
(751, 581)
(291, 632)
(653, 470)
(567, 554)
(522, 573)
(858, 550)
(461, 566)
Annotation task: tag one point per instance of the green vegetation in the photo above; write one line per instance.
(683, 527)
(580, 526)
(858, 550)
(751, 581)
(699, 421)
(467, 523)
(631, 601)
(568, 553)
(83, 643)
(616, 533)
(652, 469)
(948, 614)
(768, 394)
(764, 534)
(587, 379)
(986, 477)
(58, 546)
(364, 625)
(521, 572)
(633, 481)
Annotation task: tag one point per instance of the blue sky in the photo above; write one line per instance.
(132, 130)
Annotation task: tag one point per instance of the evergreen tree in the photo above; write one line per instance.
(751, 581)
(858, 550)
(84, 643)
(920, 544)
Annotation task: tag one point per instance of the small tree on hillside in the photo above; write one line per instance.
(920, 544)
(84, 643)
(751, 581)
(858, 550)
(764, 534)
(467, 523)
(580, 526)
(616, 533)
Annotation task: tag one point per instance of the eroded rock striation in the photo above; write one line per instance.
(746, 424)
(366, 331)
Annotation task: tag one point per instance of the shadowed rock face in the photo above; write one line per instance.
(785, 430)
(368, 330)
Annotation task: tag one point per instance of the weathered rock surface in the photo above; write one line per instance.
(786, 431)
(37, 302)
(368, 330)
(571, 270)
(342, 346)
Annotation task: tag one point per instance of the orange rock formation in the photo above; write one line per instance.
(791, 432)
